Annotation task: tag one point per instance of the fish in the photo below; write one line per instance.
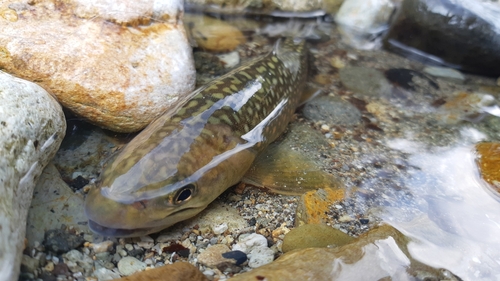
(191, 154)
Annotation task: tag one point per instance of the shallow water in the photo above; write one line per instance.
(420, 171)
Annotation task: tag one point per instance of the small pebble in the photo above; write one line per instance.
(247, 243)
(238, 256)
(106, 274)
(130, 265)
(212, 256)
(102, 247)
(61, 241)
(260, 256)
(219, 229)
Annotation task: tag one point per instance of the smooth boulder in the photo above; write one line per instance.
(117, 65)
(32, 126)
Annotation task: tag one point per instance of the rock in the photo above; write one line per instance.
(247, 243)
(464, 106)
(219, 228)
(332, 110)
(314, 236)
(362, 80)
(488, 161)
(29, 264)
(238, 256)
(32, 127)
(102, 247)
(313, 206)
(60, 240)
(212, 256)
(130, 265)
(47, 210)
(423, 31)
(178, 271)
(260, 256)
(365, 259)
(360, 20)
(281, 8)
(444, 72)
(78, 262)
(106, 274)
(116, 76)
(212, 34)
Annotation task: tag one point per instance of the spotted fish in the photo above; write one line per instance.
(187, 157)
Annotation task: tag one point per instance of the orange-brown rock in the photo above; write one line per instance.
(314, 205)
(380, 254)
(118, 76)
(213, 34)
(488, 160)
(178, 271)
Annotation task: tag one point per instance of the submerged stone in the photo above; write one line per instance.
(367, 258)
(314, 236)
(313, 206)
(461, 34)
(488, 161)
(170, 272)
(363, 80)
(332, 110)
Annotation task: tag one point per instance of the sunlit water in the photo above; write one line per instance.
(453, 218)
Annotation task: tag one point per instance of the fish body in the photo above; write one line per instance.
(187, 157)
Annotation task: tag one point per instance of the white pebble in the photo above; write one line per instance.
(130, 265)
(247, 243)
(219, 229)
(106, 274)
(260, 256)
(102, 247)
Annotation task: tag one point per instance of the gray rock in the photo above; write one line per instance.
(332, 111)
(29, 264)
(366, 81)
(61, 241)
(55, 204)
(129, 265)
(260, 256)
(32, 127)
(106, 274)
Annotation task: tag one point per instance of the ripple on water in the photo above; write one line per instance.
(456, 222)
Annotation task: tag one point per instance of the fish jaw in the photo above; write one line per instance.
(113, 219)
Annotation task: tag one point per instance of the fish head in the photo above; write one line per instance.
(166, 185)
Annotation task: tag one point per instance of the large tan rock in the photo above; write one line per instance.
(117, 65)
(32, 126)
(380, 254)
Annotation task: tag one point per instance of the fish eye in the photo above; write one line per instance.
(184, 193)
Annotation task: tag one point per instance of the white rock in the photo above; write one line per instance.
(260, 256)
(444, 72)
(249, 242)
(103, 274)
(129, 265)
(358, 20)
(219, 228)
(32, 126)
(102, 247)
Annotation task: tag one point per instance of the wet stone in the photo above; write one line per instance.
(130, 265)
(213, 255)
(488, 160)
(29, 264)
(332, 110)
(362, 80)
(238, 256)
(313, 206)
(61, 241)
(314, 236)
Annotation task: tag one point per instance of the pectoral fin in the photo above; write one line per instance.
(285, 171)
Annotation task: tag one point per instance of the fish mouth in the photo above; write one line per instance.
(174, 217)
(121, 232)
